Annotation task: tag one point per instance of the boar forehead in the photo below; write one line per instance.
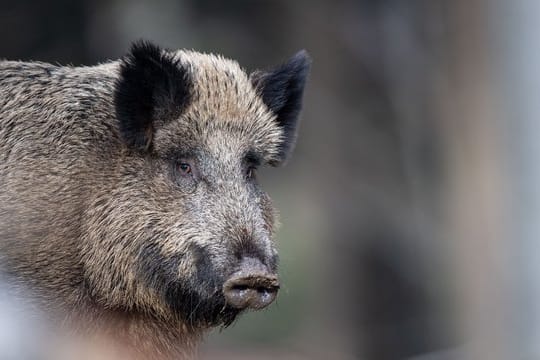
(223, 103)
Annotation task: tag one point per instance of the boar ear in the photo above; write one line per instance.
(151, 84)
(281, 89)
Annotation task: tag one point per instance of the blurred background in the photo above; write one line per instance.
(411, 207)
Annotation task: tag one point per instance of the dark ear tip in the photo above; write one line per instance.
(140, 43)
(303, 56)
(301, 61)
(141, 48)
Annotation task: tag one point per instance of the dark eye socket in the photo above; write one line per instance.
(184, 168)
(252, 162)
(251, 171)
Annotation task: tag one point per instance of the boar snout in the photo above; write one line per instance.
(251, 287)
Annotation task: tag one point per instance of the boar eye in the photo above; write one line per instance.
(185, 174)
(184, 168)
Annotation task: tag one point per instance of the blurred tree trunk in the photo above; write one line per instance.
(424, 231)
(476, 185)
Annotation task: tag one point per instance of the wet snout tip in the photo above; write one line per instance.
(252, 287)
(254, 292)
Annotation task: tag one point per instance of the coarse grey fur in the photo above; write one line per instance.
(108, 236)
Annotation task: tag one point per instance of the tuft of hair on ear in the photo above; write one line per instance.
(150, 83)
(282, 89)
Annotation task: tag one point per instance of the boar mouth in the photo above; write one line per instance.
(198, 310)
(197, 299)
(228, 316)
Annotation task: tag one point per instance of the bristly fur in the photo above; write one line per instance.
(95, 218)
(282, 90)
(150, 82)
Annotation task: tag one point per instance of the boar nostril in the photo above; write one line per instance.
(242, 295)
(239, 287)
(252, 286)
